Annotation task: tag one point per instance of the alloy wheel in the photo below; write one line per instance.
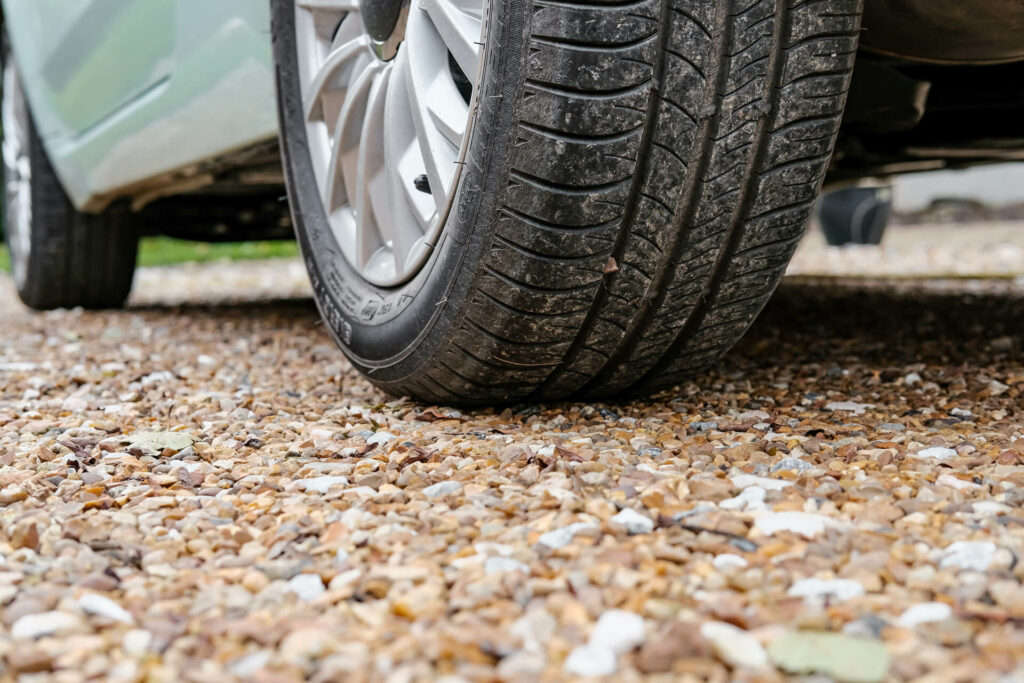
(387, 90)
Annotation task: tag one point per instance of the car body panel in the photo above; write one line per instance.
(126, 90)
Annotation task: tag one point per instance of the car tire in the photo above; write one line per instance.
(855, 215)
(60, 257)
(636, 178)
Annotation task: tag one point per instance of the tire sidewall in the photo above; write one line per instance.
(390, 334)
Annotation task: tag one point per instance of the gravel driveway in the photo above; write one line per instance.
(202, 491)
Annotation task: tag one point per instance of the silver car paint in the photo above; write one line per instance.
(123, 91)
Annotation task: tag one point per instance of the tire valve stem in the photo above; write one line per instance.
(421, 183)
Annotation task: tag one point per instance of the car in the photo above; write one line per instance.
(497, 200)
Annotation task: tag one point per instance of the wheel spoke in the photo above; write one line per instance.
(411, 208)
(344, 154)
(460, 32)
(426, 90)
(373, 213)
(329, 78)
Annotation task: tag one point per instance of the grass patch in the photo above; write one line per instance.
(164, 251)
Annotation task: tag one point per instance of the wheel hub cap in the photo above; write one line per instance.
(384, 21)
(387, 88)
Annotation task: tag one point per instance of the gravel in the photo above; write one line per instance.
(201, 487)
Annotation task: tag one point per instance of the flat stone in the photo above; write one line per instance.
(442, 488)
(844, 658)
(734, 646)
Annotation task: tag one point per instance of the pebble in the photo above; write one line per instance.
(805, 524)
(321, 484)
(44, 624)
(936, 453)
(744, 481)
(728, 562)
(838, 589)
(632, 521)
(734, 646)
(849, 406)
(619, 631)
(497, 565)
(380, 439)
(250, 664)
(442, 488)
(974, 555)
(588, 660)
(924, 613)
(791, 465)
(100, 605)
(843, 658)
(750, 498)
(559, 538)
(307, 586)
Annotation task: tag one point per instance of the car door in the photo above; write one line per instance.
(82, 60)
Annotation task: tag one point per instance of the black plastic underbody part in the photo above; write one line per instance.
(946, 31)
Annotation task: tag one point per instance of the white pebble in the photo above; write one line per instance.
(380, 438)
(136, 642)
(976, 555)
(849, 406)
(306, 586)
(345, 579)
(321, 484)
(744, 481)
(44, 624)
(805, 524)
(559, 538)
(838, 589)
(588, 660)
(751, 498)
(734, 646)
(633, 522)
(955, 482)
(497, 565)
(619, 631)
(935, 453)
(442, 488)
(249, 664)
(925, 613)
(728, 562)
(100, 605)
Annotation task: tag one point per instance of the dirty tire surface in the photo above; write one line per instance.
(661, 164)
